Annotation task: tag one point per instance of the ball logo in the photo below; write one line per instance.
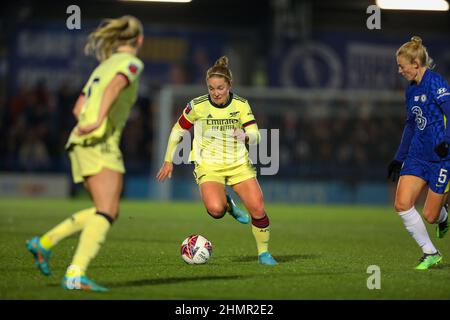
(423, 98)
(196, 249)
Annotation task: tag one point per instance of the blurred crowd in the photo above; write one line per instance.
(36, 122)
(343, 148)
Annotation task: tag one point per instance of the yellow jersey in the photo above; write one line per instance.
(111, 128)
(215, 144)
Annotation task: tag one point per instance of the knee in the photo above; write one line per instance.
(109, 217)
(430, 216)
(257, 210)
(216, 210)
(110, 208)
(401, 205)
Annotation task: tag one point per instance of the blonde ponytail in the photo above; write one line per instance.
(111, 34)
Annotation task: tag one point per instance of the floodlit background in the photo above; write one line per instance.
(313, 73)
(311, 69)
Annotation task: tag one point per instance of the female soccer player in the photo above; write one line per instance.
(93, 146)
(223, 122)
(422, 157)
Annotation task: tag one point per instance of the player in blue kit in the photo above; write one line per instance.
(423, 155)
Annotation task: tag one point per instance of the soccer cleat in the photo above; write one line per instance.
(429, 260)
(442, 229)
(267, 259)
(236, 212)
(41, 255)
(81, 283)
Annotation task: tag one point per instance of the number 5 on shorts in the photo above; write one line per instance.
(442, 176)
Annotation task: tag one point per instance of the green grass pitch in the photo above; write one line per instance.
(323, 251)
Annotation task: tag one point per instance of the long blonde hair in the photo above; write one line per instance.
(111, 34)
(220, 69)
(413, 50)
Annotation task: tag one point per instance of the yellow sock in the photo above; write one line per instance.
(66, 228)
(45, 242)
(74, 271)
(91, 239)
(262, 236)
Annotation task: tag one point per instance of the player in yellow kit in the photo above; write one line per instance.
(223, 123)
(93, 146)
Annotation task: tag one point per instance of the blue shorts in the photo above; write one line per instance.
(436, 174)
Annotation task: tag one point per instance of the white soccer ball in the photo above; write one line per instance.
(196, 249)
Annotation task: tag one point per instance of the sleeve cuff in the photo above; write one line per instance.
(125, 76)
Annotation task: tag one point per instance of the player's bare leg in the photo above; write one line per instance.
(436, 212)
(433, 205)
(217, 202)
(214, 198)
(40, 247)
(251, 195)
(408, 190)
(105, 188)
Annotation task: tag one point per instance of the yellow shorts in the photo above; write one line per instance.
(229, 176)
(90, 160)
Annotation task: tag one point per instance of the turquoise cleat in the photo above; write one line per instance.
(81, 283)
(267, 259)
(236, 212)
(41, 255)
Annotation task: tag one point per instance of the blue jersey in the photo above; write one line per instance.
(426, 116)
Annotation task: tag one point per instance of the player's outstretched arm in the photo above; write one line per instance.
(165, 171)
(176, 136)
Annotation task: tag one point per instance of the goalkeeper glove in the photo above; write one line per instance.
(394, 169)
(442, 149)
